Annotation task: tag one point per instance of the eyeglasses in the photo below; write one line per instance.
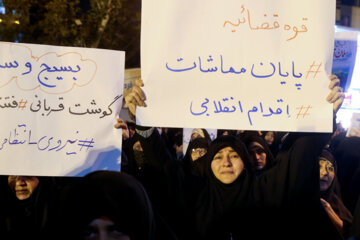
(200, 151)
(326, 164)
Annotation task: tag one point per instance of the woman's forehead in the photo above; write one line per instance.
(269, 134)
(226, 149)
(255, 144)
(324, 161)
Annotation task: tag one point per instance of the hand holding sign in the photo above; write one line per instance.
(336, 96)
(136, 97)
(125, 130)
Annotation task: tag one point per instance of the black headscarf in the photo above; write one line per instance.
(197, 167)
(333, 196)
(336, 140)
(154, 167)
(32, 217)
(270, 160)
(286, 197)
(205, 133)
(347, 155)
(171, 137)
(219, 205)
(114, 195)
(275, 146)
(162, 177)
(220, 132)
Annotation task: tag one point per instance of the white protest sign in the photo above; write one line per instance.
(250, 65)
(58, 108)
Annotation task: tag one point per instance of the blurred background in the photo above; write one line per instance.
(107, 24)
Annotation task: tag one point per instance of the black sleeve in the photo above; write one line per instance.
(355, 229)
(164, 180)
(294, 181)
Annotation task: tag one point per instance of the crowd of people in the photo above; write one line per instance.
(241, 185)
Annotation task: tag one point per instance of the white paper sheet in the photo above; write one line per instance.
(58, 107)
(250, 65)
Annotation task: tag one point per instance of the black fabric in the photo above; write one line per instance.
(247, 134)
(207, 135)
(221, 132)
(275, 146)
(347, 155)
(270, 160)
(126, 165)
(355, 230)
(218, 204)
(163, 178)
(117, 196)
(194, 170)
(336, 140)
(333, 196)
(31, 218)
(197, 143)
(287, 195)
(171, 137)
(197, 167)
(283, 202)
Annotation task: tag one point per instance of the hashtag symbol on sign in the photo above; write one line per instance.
(86, 143)
(22, 104)
(314, 69)
(303, 111)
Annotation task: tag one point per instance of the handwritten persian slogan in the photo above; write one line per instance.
(237, 64)
(58, 108)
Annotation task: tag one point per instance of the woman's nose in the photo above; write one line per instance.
(227, 162)
(20, 182)
(323, 172)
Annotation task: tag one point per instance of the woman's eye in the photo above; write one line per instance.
(260, 151)
(116, 233)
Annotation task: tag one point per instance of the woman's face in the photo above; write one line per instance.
(227, 165)
(197, 153)
(257, 155)
(104, 228)
(269, 138)
(197, 133)
(327, 174)
(23, 186)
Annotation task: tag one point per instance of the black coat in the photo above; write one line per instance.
(114, 195)
(32, 218)
(355, 231)
(163, 178)
(347, 155)
(283, 200)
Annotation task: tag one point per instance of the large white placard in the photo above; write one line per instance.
(58, 107)
(251, 65)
